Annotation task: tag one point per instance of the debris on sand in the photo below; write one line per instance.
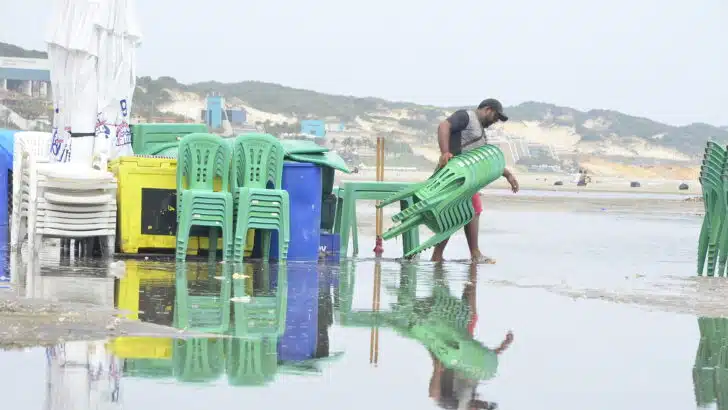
(694, 199)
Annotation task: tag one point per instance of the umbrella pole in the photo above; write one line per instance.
(378, 247)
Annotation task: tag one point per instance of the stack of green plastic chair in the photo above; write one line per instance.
(198, 360)
(260, 203)
(202, 158)
(443, 202)
(713, 238)
(252, 360)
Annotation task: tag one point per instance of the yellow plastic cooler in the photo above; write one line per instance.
(146, 200)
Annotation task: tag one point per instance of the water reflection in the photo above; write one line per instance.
(262, 319)
(441, 322)
(82, 375)
(255, 322)
(710, 373)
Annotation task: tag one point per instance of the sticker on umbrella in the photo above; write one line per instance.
(122, 144)
(60, 145)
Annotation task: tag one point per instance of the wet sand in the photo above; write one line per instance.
(599, 291)
(34, 322)
(545, 182)
(699, 296)
(27, 322)
(534, 201)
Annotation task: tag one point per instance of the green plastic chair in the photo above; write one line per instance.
(260, 203)
(202, 158)
(468, 172)
(713, 238)
(150, 139)
(722, 187)
(345, 222)
(443, 202)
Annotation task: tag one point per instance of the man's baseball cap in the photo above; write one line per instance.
(494, 105)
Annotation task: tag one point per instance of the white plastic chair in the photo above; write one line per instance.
(29, 147)
(59, 200)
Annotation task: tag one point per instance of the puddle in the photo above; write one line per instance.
(604, 309)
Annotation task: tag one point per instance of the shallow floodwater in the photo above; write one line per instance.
(301, 337)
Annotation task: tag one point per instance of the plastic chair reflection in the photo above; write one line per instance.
(244, 338)
(438, 322)
(710, 372)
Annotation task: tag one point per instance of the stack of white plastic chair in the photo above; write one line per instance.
(58, 200)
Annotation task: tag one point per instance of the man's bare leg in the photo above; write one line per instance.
(439, 251)
(471, 236)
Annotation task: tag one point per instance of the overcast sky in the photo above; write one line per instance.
(666, 60)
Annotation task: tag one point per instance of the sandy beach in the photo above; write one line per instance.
(545, 182)
(536, 196)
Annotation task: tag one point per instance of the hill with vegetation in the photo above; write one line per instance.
(9, 50)
(593, 128)
(605, 133)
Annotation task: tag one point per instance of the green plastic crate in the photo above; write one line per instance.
(150, 139)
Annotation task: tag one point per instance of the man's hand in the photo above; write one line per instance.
(444, 158)
(505, 343)
(511, 180)
(509, 338)
(514, 183)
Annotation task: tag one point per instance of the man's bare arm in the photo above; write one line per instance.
(443, 136)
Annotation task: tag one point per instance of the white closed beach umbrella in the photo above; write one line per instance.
(72, 53)
(119, 37)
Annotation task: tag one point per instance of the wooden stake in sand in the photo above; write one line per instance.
(378, 246)
(378, 250)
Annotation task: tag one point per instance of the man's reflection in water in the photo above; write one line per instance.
(448, 387)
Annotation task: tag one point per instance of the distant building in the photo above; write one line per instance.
(313, 127)
(237, 116)
(215, 113)
(30, 76)
(335, 127)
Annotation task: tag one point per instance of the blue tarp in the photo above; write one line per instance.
(7, 139)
